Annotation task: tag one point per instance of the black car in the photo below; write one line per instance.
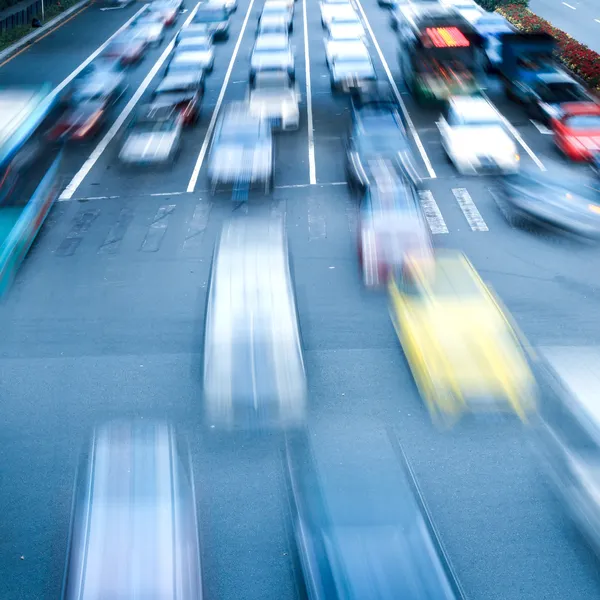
(361, 527)
(554, 198)
(216, 18)
(377, 133)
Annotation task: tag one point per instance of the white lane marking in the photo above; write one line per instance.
(112, 8)
(569, 6)
(517, 136)
(168, 194)
(312, 168)
(317, 229)
(112, 132)
(473, 216)
(63, 84)
(541, 128)
(597, 20)
(407, 118)
(436, 222)
(213, 120)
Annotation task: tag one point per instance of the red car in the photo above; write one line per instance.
(126, 50)
(80, 122)
(577, 130)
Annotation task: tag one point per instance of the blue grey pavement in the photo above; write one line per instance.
(105, 321)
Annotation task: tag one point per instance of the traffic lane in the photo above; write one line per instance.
(579, 18)
(59, 53)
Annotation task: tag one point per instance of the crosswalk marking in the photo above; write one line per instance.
(317, 228)
(112, 242)
(157, 229)
(473, 216)
(436, 222)
(81, 225)
(198, 224)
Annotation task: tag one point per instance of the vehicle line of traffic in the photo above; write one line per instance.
(388, 72)
(312, 168)
(215, 114)
(67, 80)
(72, 187)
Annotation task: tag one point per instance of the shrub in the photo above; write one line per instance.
(492, 5)
(575, 56)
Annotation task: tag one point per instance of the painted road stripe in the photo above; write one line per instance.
(113, 240)
(473, 216)
(317, 229)
(112, 132)
(312, 168)
(157, 229)
(81, 225)
(198, 225)
(352, 215)
(213, 120)
(436, 222)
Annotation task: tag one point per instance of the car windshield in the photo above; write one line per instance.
(473, 118)
(211, 16)
(558, 93)
(270, 43)
(583, 122)
(240, 131)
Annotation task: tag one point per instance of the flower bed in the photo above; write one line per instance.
(575, 56)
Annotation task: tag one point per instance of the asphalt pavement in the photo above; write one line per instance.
(105, 321)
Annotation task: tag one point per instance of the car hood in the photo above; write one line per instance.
(482, 140)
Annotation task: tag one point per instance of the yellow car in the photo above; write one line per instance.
(463, 350)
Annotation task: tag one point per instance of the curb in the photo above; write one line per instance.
(31, 37)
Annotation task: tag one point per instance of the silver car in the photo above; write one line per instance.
(253, 365)
(153, 137)
(134, 531)
(192, 59)
(275, 97)
(151, 26)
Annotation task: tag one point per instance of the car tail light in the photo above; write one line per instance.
(89, 125)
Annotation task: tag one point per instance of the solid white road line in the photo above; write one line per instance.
(473, 216)
(517, 136)
(569, 6)
(436, 222)
(63, 84)
(213, 120)
(409, 122)
(312, 169)
(112, 132)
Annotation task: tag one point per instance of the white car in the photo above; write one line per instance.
(468, 9)
(347, 31)
(475, 138)
(273, 24)
(150, 26)
(192, 60)
(342, 48)
(338, 12)
(274, 96)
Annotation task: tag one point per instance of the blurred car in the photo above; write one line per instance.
(339, 13)
(467, 9)
(360, 523)
(392, 224)
(376, 133)
(153, 137)
(273, 24)
(279, 9)
(126, 48)
(194, 30)
(151, 26)
(568, 441)
(97, 80)
(462, 348)
(253, 362)
(183, 91)
(202, 43)
(82, 120)
(577, 131)
(168, 10)
(556, 198)
(351, 69)
(272, 52)
(391, 4)
(215, 18)
(229, 5)
(241, 152)
(134, 505)
(474, 137)
(274, 96)
(340, 48)
(378, 95)
(551, 92)
(195, 61)
(347, 31)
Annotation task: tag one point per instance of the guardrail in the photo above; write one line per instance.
(21, 16)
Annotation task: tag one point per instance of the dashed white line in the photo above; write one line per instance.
(312, 169)
(436, 222)
(213, 120)
(63, 84)
(597, 20)
(473, 216)
(541, 128)
(569, 6)
(112, 132)
(407, 118)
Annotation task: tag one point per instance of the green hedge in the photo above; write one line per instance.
(492, 5)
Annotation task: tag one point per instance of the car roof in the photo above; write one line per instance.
(177, 80)
(474, 107)
(274, 78)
